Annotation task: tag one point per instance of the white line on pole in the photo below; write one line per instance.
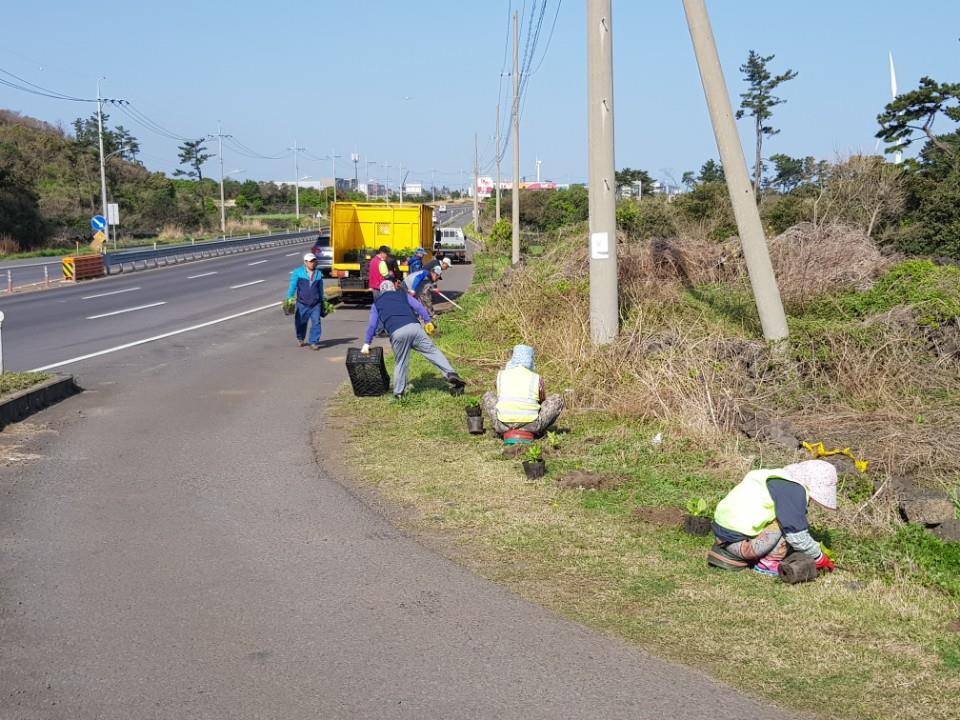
(243, 285)
(126, 310)
(112, 292)
(153, 339)
(257, 262)
(206, 274)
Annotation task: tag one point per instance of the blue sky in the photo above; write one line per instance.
(410, 82)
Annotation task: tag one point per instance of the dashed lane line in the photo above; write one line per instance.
(112, 292)
(243, 285)
(126, 310)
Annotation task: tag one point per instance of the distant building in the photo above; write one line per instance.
(413, 188)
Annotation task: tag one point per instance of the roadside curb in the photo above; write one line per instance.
(26, 402)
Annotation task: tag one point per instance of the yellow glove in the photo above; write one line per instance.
(429, 328)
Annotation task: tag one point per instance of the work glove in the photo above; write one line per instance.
(429, 328)
(365, 350)
(825, 563)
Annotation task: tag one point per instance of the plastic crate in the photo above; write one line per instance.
(368, 373)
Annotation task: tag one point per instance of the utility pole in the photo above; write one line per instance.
(223, 213)
(515, 197)
(401, 182)
(433, 184)
(296, 173)
(356, 179)
(604, 290)
(497, 150)
(476, 183)
(762, 279)
(333, 159)
(103, 168)
(538, 169)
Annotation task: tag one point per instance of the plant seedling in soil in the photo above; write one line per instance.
(473, 407)
(533, 465)
(553, 440)
(697, 522)
(534, 454)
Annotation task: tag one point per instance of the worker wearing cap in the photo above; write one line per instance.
(378, 270)
(443, 264)
(415, 261)
(420, 284)
(765, 516)
(398, 311)
(306, 285)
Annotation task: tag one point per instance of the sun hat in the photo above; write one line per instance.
(819, 478)
(387, 286)
(446, 262)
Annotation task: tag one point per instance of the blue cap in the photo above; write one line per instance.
(420, 251)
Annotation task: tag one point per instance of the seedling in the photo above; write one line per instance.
(534, 453)
(697, 507)
(288, 306)
(553, 440)
(473, 402)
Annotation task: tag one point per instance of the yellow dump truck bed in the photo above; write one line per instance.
(357, 230)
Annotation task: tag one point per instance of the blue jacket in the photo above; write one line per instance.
(308, 293)
(414, 263)
(395, 309)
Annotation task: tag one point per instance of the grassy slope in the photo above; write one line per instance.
(868, 641)
(12, 382)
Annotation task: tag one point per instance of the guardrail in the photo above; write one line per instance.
(118, 261)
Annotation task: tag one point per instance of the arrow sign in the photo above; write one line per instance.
(98, 222)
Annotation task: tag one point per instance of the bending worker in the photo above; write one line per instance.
(306, 285)
(420, 284)
(765, 515)
(521, 401)
(396, 311)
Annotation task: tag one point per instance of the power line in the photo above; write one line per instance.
(546, 49)
(35, 89)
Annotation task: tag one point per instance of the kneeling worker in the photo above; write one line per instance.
(765, 515)
(396, 311)
(521, 401)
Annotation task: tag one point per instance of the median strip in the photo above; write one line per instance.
(243, 285)
(126, 310)
(135, 343)
(112, 292)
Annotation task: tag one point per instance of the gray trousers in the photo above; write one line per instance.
(414, 337)
(550, 410)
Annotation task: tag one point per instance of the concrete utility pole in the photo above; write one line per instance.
(103, 169)
(764, 283)
(515, 196)
(296, 174)
(433, 185)
(496, 189)
(401, 182)
(333, 159)
(223, 213)
(604, 288)
(476, 183)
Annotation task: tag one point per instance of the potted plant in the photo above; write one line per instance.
(533, 465)
(288, 306)
(474, 417)
(697, 521)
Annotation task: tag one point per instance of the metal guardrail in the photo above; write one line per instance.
(127, 260)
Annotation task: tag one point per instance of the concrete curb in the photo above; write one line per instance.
(26, 402)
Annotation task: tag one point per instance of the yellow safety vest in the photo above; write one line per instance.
(518, 395)
(748, 508)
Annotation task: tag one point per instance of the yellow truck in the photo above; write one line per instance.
(357, 230)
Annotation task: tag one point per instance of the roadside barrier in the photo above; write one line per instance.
(128, 260)
(82, 267)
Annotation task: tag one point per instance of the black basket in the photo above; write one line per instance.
(368, 373)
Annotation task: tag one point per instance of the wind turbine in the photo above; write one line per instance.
(898, 155)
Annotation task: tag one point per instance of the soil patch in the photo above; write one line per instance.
(667, 517)
(585, 480)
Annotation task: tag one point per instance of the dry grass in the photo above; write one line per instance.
(172, 233)
(242, 227)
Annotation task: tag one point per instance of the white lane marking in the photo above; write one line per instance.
(258, 262)
(234, 287)
(126, 310)
(154, 338)
(291, 254)
(112, 292)
(194, 277)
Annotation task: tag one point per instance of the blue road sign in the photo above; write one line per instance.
(98, 222)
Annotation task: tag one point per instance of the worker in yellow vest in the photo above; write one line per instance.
(765, 516)
(521, 401)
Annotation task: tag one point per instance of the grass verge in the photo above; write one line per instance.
(12, 382)
(868, 641)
